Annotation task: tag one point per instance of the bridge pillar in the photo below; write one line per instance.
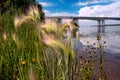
(103, 26)
(99, 26)
(59, 20)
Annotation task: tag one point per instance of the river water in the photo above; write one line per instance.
(111, 37)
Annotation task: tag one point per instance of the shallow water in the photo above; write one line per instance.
(111, 37)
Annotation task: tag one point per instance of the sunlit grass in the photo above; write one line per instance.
(31, 50)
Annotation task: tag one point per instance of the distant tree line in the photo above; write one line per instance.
(9, 5)
(17, 6)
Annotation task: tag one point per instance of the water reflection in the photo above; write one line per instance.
(111, 36)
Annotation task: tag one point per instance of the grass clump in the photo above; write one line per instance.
(31, 50)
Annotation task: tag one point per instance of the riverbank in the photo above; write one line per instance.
(111, 63)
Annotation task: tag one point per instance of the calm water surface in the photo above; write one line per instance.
(111, 37)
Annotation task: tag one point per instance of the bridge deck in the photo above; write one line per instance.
(87, 18)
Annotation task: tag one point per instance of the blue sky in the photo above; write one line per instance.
(60, 5)
(81, 7)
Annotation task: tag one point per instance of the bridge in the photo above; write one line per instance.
(85, 18)
(100, 20)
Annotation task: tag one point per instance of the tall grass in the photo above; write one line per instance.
(31, 50)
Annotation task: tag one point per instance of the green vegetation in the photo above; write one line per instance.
(13, 5)
(33, 50)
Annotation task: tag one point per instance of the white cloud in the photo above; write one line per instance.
(94, 2)
(111, 10)
(46, 11)
(101, 1)
(45, 4)
(82, 3)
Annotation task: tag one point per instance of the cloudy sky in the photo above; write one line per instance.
(100, 8)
